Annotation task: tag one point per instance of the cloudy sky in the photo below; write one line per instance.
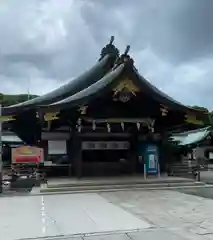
(45, 43)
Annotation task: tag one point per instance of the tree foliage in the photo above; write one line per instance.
(210, 114)
(7, 100)
(200, 108)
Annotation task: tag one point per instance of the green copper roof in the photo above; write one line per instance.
(10, 138)
(191, 137)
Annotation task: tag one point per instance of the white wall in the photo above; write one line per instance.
(200, 151)
(57, 147)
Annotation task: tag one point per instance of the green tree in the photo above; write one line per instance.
(200, 108)
(7, 100)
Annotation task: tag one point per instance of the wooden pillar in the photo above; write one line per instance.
(134, 151)
(79, 162)
(70, 156)
(77, 153)
(44, 145)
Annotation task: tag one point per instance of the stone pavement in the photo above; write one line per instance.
(207, 176)
(113, 215)
(58, 182)
(62, 215)
(189, 217)
(151, 234)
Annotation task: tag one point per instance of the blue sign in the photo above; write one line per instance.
(151, 159)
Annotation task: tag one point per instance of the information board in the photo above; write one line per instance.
(151, 158)
(27, 154)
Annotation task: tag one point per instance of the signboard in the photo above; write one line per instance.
(151, 158)
(27, 154)
(105, 145)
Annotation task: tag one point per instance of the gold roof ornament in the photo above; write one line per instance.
(126, 86)
(51, 116)
(83, 110)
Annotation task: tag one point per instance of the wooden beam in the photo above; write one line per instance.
(120, 120)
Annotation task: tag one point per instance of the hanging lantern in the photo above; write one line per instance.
(138, 125)
(79, 121)
(108, 127)
(79, 125)
(151, 126)
(93, 125)
(122, 125)
(79, 128)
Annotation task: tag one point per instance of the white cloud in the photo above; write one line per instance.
(51, 41)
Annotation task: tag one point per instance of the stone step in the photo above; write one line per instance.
(184, 174)
(97, 182)
(180, 166)
(189, 172)
(121, 187)
(181, 170)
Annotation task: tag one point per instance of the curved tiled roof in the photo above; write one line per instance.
(75, 85)
(88, 93)
(95, 89)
